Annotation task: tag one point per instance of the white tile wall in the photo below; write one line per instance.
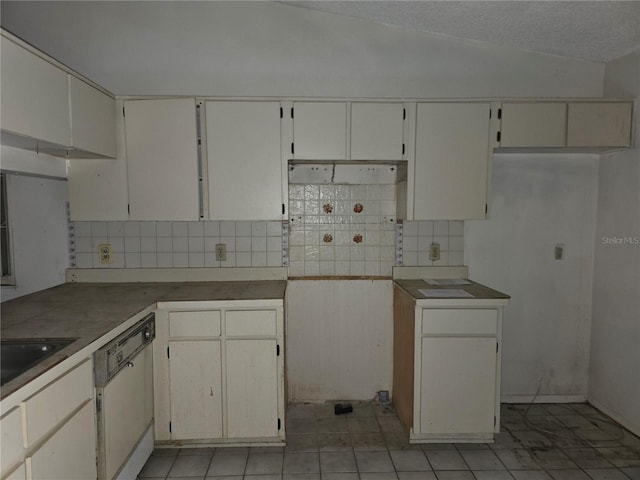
(416, 237)
(323, 228)
(178, 244)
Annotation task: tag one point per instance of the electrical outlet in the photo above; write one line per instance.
(434, 251)
(221, 252)
(104, 253)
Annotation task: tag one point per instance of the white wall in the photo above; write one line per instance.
(266, 48)
(539, 201)
(614, 382)
(339, 339)
(37, 222)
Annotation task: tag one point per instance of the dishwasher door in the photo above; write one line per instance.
(125, 413)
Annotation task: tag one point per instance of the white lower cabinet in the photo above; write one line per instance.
(195, 379)
(70, 453)
(51, 434)
(446, 385)
(219, 373)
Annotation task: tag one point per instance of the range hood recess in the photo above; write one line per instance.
(347, 172)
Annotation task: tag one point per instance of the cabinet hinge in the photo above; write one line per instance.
(403, 149)
(168, 356)
(495, 420)
(404, 113)
(292, 149)
(283, 208)
(489, 113)
(281, 113)
(128, 209)
(486, 208)
(498, 136)
(499, 114)
(199, 142)
(277, 350)
(291, 112)
(169, 427)
(123, 111)
(279, 424)
(98, 405)
(497, 347)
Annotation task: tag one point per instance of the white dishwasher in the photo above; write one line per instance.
(124, 401)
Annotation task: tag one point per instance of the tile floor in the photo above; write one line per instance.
(538, 442)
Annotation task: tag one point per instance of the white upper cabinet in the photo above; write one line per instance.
(598, 124)
(244, 162)
(451, 164)
(162, 159)
(319, 130)
(376, 131)
(35, 97)
(533, 124)
(93, 119)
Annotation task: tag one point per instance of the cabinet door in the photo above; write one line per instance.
(599, 125)
(533, 125)
(452, 155)
(195, 389)
(11, 439)
(35, 96)
(70, 453)
(162, 159)
(252, 388)
(93, 119)
(376, 131)
(243, 160)
(320, 130)
(457, 390)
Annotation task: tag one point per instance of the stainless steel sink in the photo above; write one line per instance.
(18, 356)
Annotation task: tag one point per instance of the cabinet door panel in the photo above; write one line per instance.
(376, 131)
(533, 124)
(244, 163)
(162, 159)
(93, 119)
(252, 388)
(11, 439)
(35, 96)
(457, 385)
(452, 154)
(196, 389)
(599, 125)
(70, 453)
(320, 130)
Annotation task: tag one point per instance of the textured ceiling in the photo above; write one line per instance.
(598, 31)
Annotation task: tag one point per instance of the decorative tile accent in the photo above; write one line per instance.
(341, 230)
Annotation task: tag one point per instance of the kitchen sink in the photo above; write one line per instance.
(18, 356)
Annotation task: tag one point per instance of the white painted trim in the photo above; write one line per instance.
(579, 398)
(118, 275)
(138, 457)
(633, 428)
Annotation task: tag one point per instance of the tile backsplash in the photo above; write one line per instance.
(333, 230)
(177, 244)
(342, 230)
(417, 237)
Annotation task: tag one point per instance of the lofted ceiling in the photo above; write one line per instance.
(597, 31)
(145, 47)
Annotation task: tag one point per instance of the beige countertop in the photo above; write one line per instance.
(89, 311)
(476, 290)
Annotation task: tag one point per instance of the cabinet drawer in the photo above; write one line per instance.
(251, 322)
(459, 321)
(49, 407)
(11, 440)
(194, 324)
